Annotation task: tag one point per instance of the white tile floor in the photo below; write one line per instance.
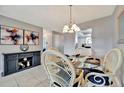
(34, 77)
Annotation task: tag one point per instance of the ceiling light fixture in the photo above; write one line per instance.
(71, 27)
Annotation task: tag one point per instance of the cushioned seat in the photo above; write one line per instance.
(98, 80)
(112, 63)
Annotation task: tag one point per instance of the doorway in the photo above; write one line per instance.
(83, 38)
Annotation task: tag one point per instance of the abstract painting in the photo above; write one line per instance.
(11, 35)
(31, 37)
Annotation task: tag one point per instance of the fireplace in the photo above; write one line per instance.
(15, 62)
(25, 62)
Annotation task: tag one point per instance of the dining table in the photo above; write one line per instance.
(83, 64)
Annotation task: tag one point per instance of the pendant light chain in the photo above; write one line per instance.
(70, 15)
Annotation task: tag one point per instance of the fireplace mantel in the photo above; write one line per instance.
(15, 62)
(5, 53)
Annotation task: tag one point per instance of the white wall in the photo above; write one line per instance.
(58, 41)
(69, 43)
(15, 48)
(101, 35)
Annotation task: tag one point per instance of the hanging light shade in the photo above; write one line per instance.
(71, 27)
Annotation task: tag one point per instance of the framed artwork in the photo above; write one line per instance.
(31, 37)
(11, 35)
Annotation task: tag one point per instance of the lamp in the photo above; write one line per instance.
(70, 28)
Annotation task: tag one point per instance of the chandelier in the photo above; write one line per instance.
(71, 27)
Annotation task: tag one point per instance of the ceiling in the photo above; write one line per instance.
(54, 17)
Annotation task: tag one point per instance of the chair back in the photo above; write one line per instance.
(113, 60)
(60, 71)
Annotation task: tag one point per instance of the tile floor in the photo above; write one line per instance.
(33, 77)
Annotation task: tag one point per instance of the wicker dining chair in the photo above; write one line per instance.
(107, 76)
(59, 69)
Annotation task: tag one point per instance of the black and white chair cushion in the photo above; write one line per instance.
(97, 78)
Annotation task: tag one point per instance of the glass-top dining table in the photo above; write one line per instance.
(87, 66)
(82, 64)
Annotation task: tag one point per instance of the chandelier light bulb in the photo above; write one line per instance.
(65, 29)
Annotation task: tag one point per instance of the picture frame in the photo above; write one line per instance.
(11, 35)
(31, 37)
